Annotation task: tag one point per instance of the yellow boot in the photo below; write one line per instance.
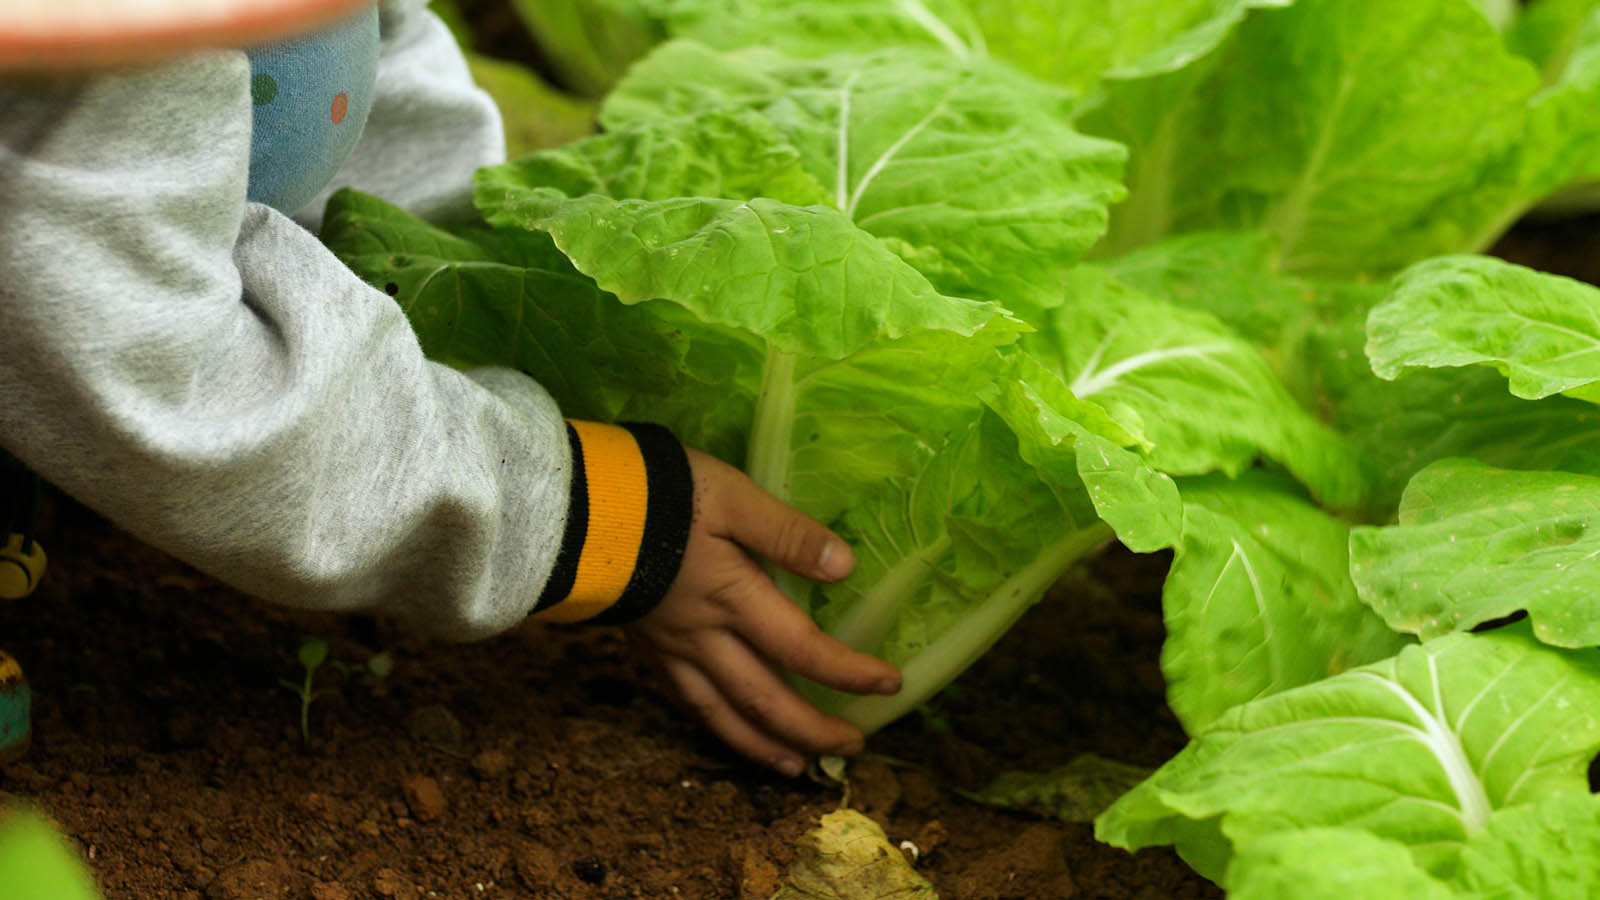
(22, 564)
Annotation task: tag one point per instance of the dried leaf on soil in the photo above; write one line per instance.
(848, 857)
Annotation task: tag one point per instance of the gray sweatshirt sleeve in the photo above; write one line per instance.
(203, 372)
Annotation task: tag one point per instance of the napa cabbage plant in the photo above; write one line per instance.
(691, 268)
(987, 284)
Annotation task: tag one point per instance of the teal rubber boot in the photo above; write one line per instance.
(22, 564)
(16, 710)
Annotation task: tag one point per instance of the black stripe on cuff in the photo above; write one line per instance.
(666, 524)
(565, 572)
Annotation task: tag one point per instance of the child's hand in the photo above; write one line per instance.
(724, 626)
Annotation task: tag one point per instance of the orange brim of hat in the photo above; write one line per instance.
(67, 34)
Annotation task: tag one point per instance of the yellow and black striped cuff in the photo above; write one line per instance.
(627, 524)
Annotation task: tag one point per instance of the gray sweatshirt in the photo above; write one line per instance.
(202, 371)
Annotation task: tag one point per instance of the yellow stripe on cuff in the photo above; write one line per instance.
(619, 496)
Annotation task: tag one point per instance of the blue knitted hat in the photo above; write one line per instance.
(311, 93)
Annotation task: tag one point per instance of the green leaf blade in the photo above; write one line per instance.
(1342, 128)
(1475, 543)
(1203, 397)
(1536, 850)
(1542, 331)
(1329, 864)
(826, 28)
(589, 43)
(965, 160)
(1421, 749)
(793, 275)
(1259, 599)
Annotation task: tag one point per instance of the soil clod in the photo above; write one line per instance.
(252, 879)
(491, 764)
(389, 883)
(329, 890)
(424, 798)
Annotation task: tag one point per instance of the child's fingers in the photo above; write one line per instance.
(783, 633)
(776, 531)
(763, 699)
(705, 701)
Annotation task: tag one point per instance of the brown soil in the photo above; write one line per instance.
(546, 763)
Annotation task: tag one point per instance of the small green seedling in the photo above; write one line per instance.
(380, 665)
(373, 673)
(312, 654)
